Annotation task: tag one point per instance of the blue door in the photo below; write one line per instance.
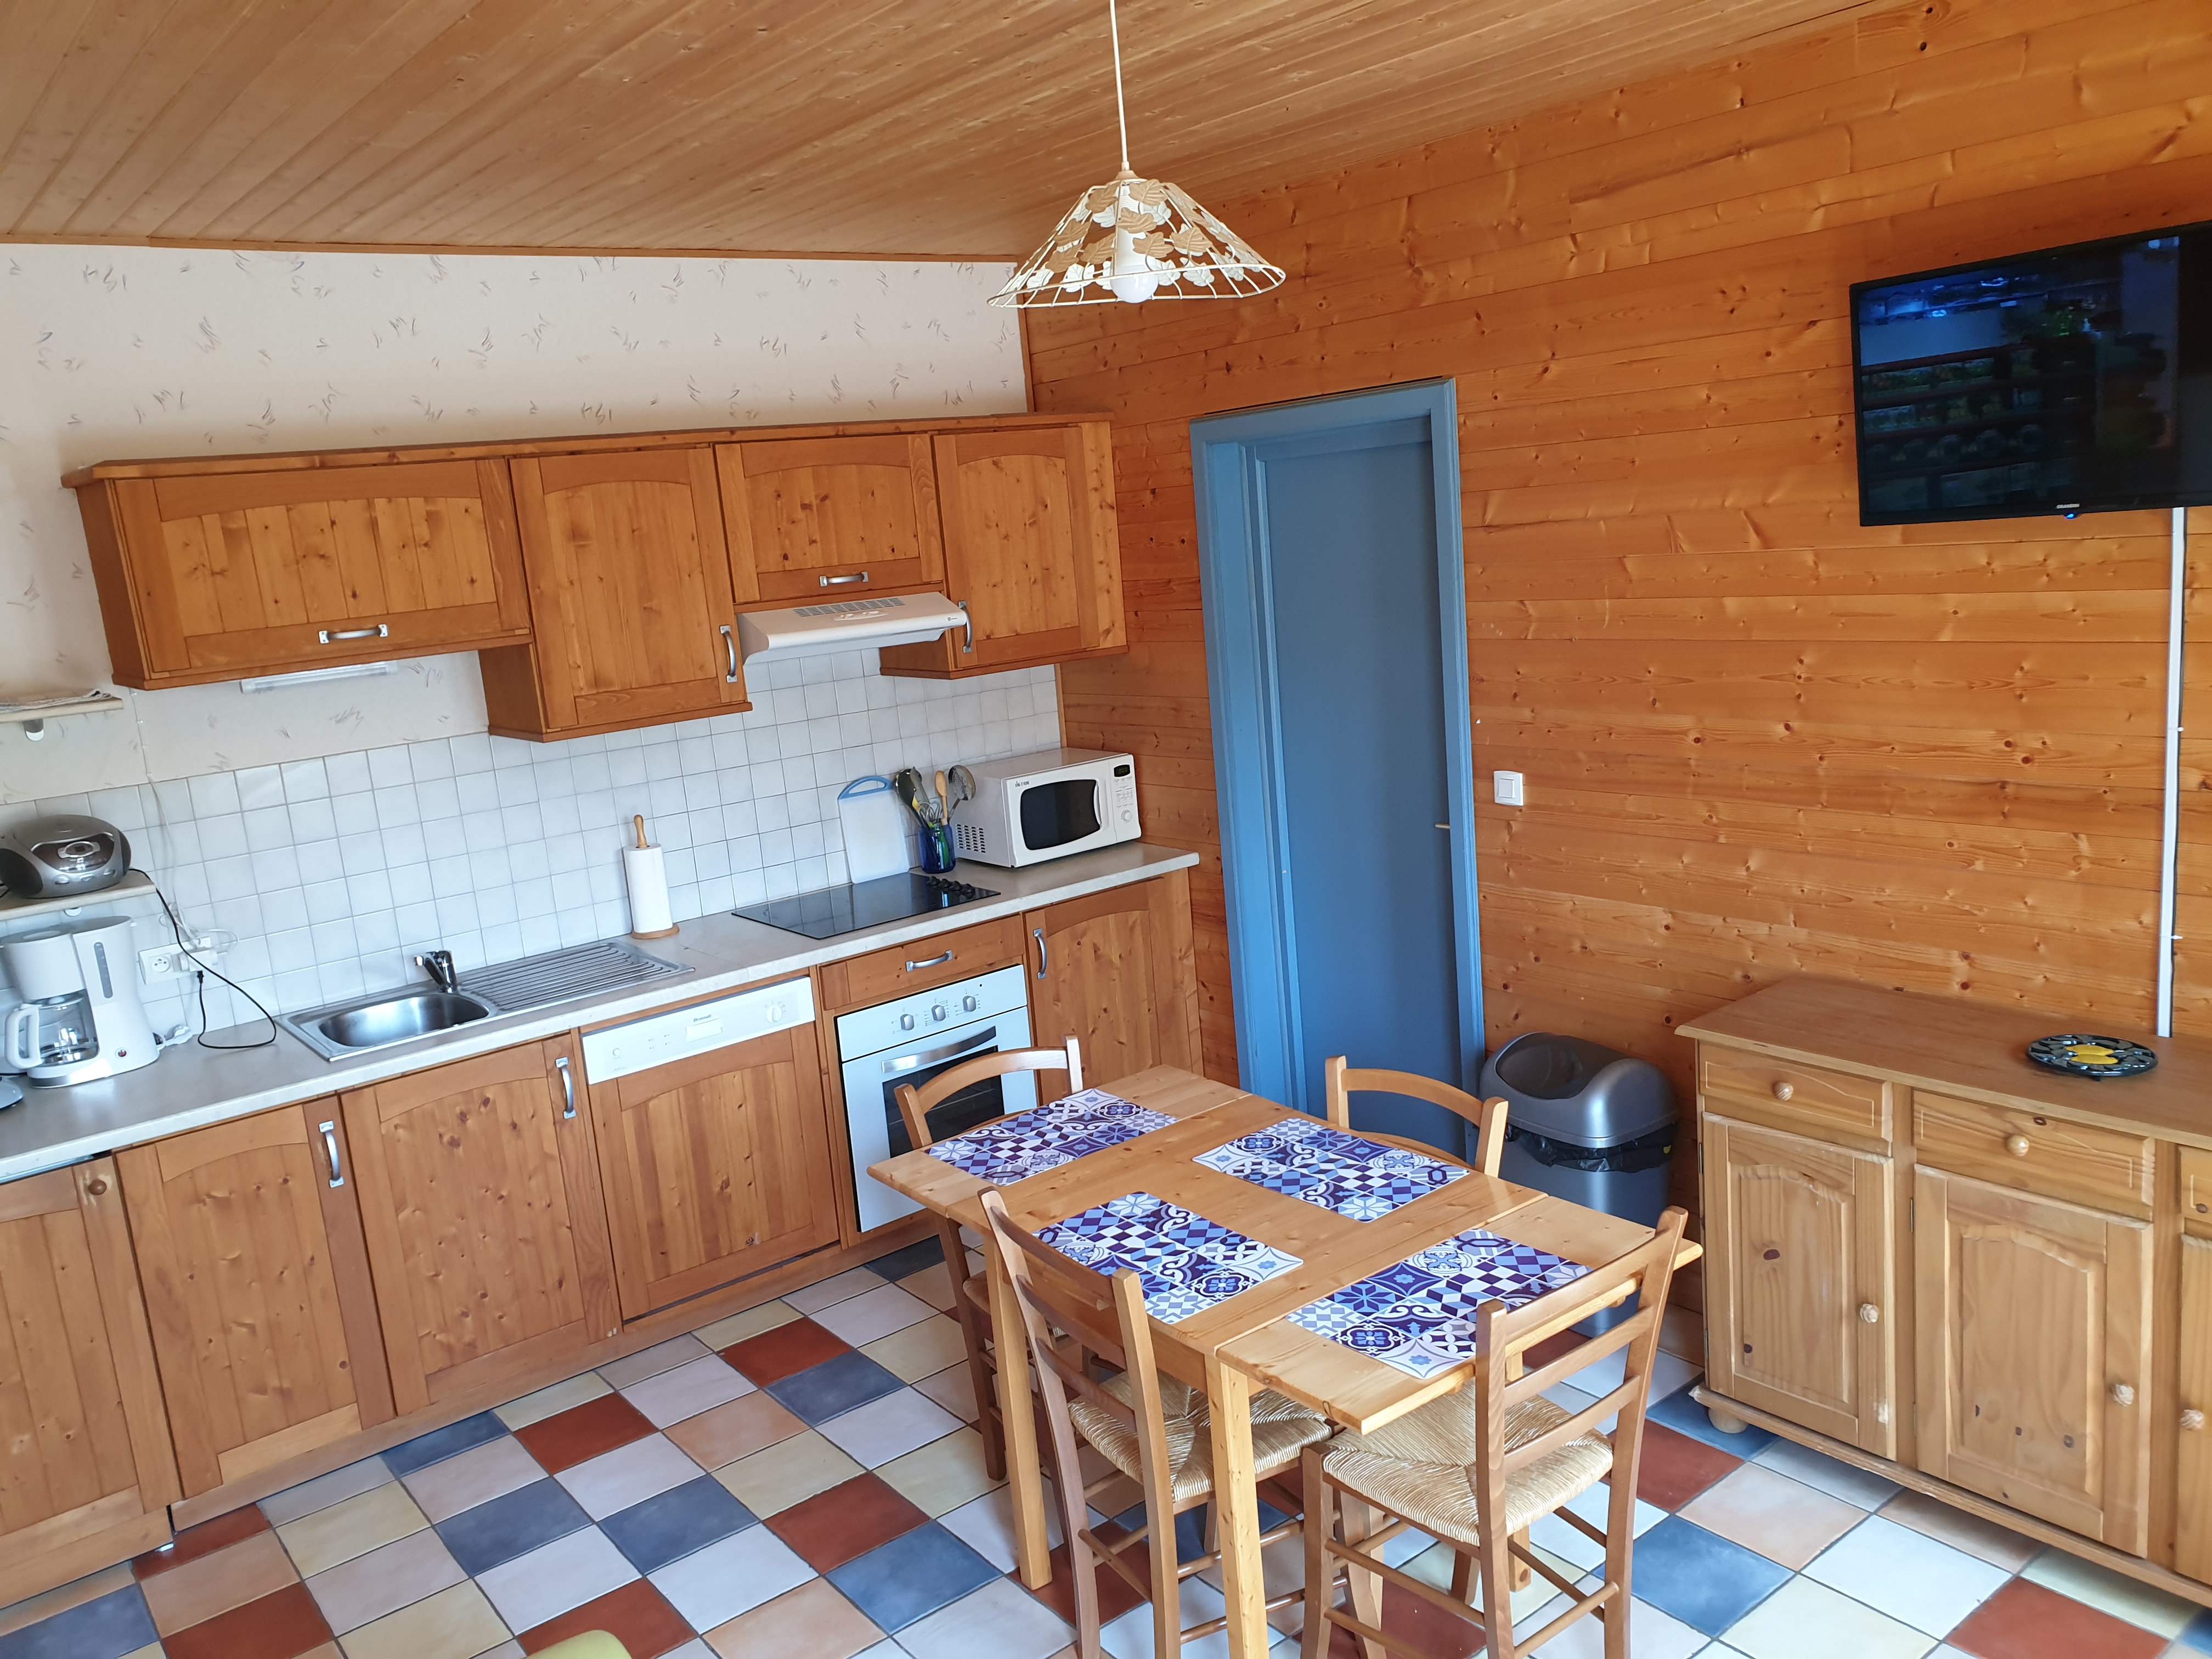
(1336, 650)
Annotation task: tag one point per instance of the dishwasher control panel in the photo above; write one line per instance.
(657, 1039)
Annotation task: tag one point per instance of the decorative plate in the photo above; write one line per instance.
(2091, 1056)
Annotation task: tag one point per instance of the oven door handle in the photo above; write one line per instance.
(931, 1056)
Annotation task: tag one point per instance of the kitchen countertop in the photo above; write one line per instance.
(189, 1087)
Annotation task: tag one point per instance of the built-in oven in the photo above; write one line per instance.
(911, 1040)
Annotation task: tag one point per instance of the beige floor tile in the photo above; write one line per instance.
(1001, 1619)
(247, 1570)
(363, 1590)
(153, 1650)
(650, 1362)
(2000, 1546)
(320, 1541)
(811, 1622)
(942, 1475)
(613, 1481)
(787, 1473)
(62, 1597)
(2140, 1605)
(325, 1490)
(1433, 1565)
(1806, 1621)
(954, 1388)
(475, 1476)
(933, 1284)
(863, 1319)
(697, 1385)
(1784, 1520)
(921, 1350)
(839, 1287)
(554, 1577)
(751, 1322)
(512, 1649)
(551, 1401)
(733, 1430)
(454, 1624)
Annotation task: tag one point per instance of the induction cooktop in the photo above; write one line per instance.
(847, 909)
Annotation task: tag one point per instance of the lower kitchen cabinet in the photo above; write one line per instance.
(257, 1284)
(85, 1471)
(2192, 1507)
(717, 1165)
(1117, 972)
(480, 1198)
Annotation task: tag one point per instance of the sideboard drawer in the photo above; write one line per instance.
(1792, 1089)
(2016, 1147)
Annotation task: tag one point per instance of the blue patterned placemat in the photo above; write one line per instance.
(1185, 1262)
(1307, 1159)
(1023, 1144)
(1420, 1314)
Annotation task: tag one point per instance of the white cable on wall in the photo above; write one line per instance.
(2169, 835)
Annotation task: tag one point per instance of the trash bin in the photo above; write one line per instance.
(1587, 1123)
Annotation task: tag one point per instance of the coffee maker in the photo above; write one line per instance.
(76, 1014)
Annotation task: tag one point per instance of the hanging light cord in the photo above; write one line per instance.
(1121, 110)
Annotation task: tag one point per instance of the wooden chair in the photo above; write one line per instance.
(1156, 1430)
(1487, 1115)
(971, 1293)
(1475, 1468)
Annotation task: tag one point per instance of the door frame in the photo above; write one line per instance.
(1235, 567)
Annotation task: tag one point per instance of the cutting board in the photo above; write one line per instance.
(876, 828)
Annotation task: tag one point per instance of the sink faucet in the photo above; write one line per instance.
(439, 965)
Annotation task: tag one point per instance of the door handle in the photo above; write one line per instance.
(381, 631)
(568, 1087)
(840, 582)
(730, 645)
(931, 1056)
(330, 1151)
(935, 962)
(968, 623)
(1044, 957)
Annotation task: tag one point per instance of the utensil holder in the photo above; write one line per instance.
(937, 856)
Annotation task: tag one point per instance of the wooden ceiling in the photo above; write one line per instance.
(939, 127)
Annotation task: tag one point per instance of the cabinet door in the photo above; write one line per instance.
(257, 1282)
(717, 1166)
(629, 596)
(1031, 550)
(2192, 1500)
(816, 520)
(1116, 972)
(1800, 1280)
(86, 1474)
(2034, 1322)
(237, 574)
(487, 1233)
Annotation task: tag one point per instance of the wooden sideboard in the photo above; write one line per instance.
(1984, 1280)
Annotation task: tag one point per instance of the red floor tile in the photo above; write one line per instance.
(563, 1441)
(1115, 1595)
(636, 1615)
(1429, 1630)
(846, 1521)
(205, 1539)
(1543, 1353)
(2024, 1620)
(1675, 1468)
(784, 1351)
(280, 1626)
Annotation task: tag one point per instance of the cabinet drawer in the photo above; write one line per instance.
(2016, 1147)
(1792, 1089)
(882, 974)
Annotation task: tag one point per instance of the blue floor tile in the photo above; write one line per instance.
(117, 1624)
(2197, 1636)
(1686, 1416)
(910, 1260)
(912, 1577)
(512, 1525)
(439, 1445)
(821, 1391)
(671, 1526)
(1700, 1577)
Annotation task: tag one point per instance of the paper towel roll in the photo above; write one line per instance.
(648, 877)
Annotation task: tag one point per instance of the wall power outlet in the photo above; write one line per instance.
(167, 962)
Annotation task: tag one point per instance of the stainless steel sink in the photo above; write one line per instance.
(388, 1017)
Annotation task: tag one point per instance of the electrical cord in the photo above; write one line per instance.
(199, 979)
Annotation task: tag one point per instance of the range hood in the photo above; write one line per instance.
(808, 630)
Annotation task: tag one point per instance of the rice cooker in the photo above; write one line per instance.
(65, 856)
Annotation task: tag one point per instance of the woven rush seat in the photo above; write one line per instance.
(1281, 1429)
(1422, 1466)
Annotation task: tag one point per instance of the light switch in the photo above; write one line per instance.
(1505, 788)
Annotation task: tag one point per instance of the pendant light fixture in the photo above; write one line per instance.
(1136, 240)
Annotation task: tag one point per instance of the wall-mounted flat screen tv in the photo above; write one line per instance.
(2077, 379)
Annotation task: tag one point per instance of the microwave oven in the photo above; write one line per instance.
(1029, 808)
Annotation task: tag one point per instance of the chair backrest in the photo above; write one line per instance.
(1344, 1081)
(916, 1104)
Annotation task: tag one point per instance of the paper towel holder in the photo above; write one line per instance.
(632, 872)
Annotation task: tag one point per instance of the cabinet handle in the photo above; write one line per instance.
(1784, 1091)
(330, 1151)
(2017, 1145)
(730, 645)
(568, 1087)
(2192, 1419)
(96, 1186)
(381, 631)
(1044, 961)
(968, 622)
(1869, 1314)
(935, 962)
(840, 582)
(2123, 1395)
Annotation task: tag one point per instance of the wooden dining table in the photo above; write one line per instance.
(1234, 1347)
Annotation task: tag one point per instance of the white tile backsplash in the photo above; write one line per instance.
(333, 873)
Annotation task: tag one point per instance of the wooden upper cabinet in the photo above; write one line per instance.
(1116, 971)
(257, 1284)
(1031, 550)
(86, 1474)
(209, 575)
(2035, 1377)
(487, 1233)
(717, 1165)
(819, 520)
(632, 615)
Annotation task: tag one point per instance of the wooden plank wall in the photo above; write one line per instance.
(1759, 739)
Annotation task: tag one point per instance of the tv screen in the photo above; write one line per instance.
(2078, 379)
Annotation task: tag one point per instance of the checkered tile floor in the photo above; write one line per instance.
(801, 1481)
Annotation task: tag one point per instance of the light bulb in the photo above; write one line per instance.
(1134, 279)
